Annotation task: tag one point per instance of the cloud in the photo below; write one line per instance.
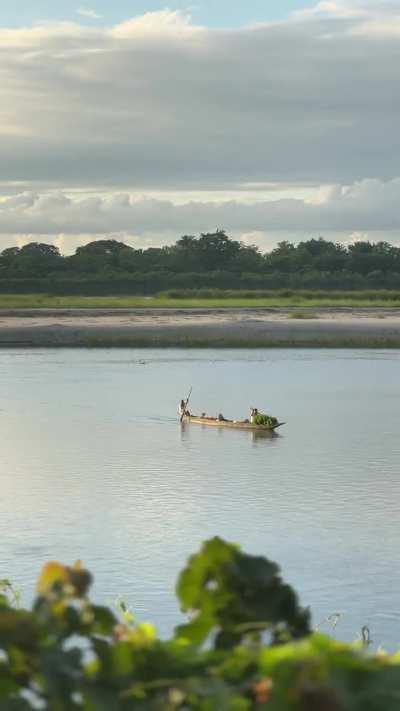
(337, 9)
(350, 9)
(88, 12)
(91, 117)
(366, 206)
(158, 101)
(162, 24)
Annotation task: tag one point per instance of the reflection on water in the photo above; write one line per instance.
(269, 437)
(95, 465)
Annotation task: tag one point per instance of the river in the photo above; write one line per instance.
(94, 466)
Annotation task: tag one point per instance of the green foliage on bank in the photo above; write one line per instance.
(218, 300)
(246, 643)
(284, 295)
(210, 261)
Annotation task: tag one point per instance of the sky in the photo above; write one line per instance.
(213, 13)
(142, 123)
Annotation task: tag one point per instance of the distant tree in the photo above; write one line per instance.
(8, 258)
(33, 259)
(321, 255)
(215, 250)
(100, 256)
(187, 242)
(10, 253)
(316, 247)
(102, 248)
(282, 258)
(183, 255)
(248, 259)
(284, 248)
(40, 249)
(362, 257)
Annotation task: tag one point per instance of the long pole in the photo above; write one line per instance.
(186, 404)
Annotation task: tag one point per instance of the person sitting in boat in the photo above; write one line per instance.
(253, 414)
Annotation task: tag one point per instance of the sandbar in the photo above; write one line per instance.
(215, 328)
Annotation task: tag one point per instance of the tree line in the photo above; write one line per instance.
(212, 260)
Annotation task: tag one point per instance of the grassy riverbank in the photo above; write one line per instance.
(212, 300)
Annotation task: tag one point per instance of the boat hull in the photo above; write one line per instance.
(232, 424)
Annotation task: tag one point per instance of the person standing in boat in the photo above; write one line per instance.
(182, 409)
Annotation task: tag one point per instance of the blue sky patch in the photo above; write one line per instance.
(215, 13)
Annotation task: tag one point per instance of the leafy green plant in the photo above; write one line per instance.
(246, 644)
(267, 420)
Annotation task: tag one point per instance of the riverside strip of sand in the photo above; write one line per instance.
(216, 328)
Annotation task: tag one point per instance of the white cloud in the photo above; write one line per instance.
(350, 9)
(342, 9)
(366, 206)
(370, 18)
(88, 12)
(163, 23)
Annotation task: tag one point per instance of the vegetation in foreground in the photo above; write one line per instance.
(208, 299)
(246, 644)
(211, 260)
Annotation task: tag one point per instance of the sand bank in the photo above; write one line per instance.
(258, 327)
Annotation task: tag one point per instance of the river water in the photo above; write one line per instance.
(94, 466)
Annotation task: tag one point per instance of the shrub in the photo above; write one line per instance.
(246, 644)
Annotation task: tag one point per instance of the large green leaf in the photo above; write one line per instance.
(235, 595)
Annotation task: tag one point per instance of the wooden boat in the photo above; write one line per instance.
(233, 424)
